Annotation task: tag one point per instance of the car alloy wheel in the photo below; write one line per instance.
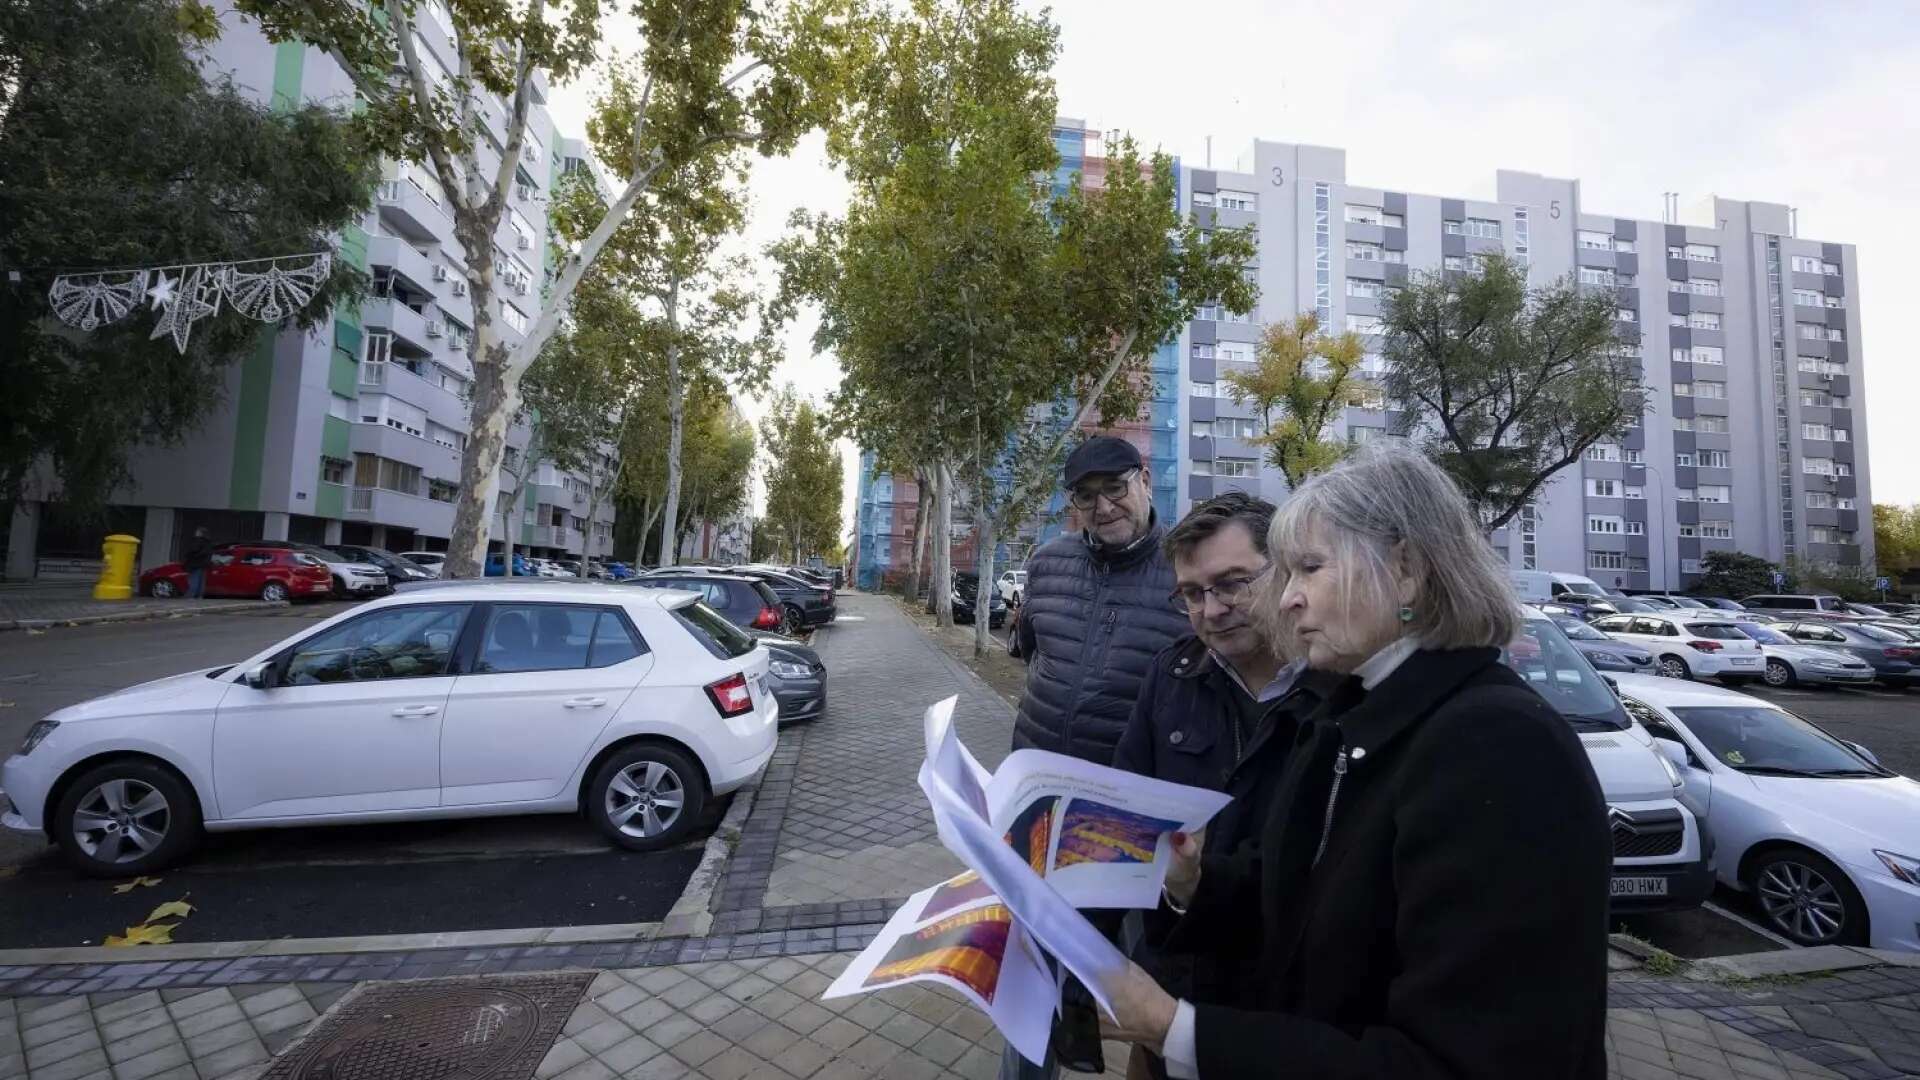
(1809, 900)
(163, 589)
(647, 796)
(1778, 673)
(274, 592)
(125, 817)
(1675, 668)
(796, 619)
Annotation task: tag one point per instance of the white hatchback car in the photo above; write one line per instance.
(459, 700)
(1826, 840)
(1689, 644)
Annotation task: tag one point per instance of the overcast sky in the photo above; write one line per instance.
(1812, 105)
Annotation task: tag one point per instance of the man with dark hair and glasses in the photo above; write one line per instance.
(1218, 708)
(1095, 611)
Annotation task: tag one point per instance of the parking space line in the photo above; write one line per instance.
(1749, 924)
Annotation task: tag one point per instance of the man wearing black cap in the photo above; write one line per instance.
(1096, 612)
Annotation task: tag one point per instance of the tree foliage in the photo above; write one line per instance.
(709, 76)
(1734, 574)
(1819, 576)
(804, 477)
(1503, 384)
(1305, 377)
(115, 152)
(1896, 538)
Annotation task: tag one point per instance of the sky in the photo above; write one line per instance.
(1807, 105)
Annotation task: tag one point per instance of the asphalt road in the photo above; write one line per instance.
(476, 874)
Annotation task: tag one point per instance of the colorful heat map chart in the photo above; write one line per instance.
(967, 948)
(1031, 831)
(1092, 832)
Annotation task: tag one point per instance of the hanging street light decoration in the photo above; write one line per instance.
(268, 290)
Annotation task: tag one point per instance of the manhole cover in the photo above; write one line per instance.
(450, 1029)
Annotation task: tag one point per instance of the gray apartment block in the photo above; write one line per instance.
(352, 432)
(1749, 338)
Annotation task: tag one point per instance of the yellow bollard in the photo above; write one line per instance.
(119, 557)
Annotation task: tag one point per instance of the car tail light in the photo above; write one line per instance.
(1704, 646)
(768, 619)
(730, 695)
(1900, 653)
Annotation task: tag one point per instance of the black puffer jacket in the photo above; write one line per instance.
(1089, 628)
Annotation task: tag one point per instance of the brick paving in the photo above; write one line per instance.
(799, 898)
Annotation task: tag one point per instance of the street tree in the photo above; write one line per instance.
(1302, 379)
(571, 399)
(115, 151)
(720, 449)
(710, 76)
(1734, 574)
(804, 477)
(1504, 385)
(717, 465)
(1896, 538)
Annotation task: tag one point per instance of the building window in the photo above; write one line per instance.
(1203, 198)
(1235, 466)
(1844, 502)
(1234, 352)
(1485, 228)
(1704, 320)
(1840, 435)
(513, 316)
(1363, 215)
(1323, 253)
(1684, 461)
(1841, 468)
(1634, 457)
(1816, 431)
(1815, 399)
(1711, 425)
(1605, 524)
(1822, 535)
(1603, 452)
(1596, 275)
(1703, 253)
(1809, 298)
(1606, 560)
(1805, 264)
(1819, 500)
(1626, 314)
(1835, 333)
(1202, 352)
(1685, 495)
(1714, 390)
(1817, 466)
(1234, 200)
(1522, 237)
(1360, 434)
(1634, 491)
(333, 471)
(1812, 331)
(1603, 489)
(1710, 459)
(1636, 528)
(1836, 301)
(1202, 389)
(1364, 287)
(1364, 324)
(1683, 389)
(1362, 251)
(1366, 397)
(1686, 531)
(1716, 530)
(1593, 241)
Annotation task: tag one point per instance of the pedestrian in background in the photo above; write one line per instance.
(1428, 897)
(1095, 611)
(199, 557)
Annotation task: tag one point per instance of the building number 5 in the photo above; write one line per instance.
(1553, 209)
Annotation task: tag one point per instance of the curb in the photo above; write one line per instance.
(372, 943)
(689, 916)
(138, 616)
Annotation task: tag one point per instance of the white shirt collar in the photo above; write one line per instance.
(1374, 670)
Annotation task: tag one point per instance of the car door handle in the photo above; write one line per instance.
(407, 712)
(585, 702)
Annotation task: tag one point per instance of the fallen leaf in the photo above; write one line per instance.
(172, 909)
(6, 704)
(145, 934)
(34, 633)
(129, 886)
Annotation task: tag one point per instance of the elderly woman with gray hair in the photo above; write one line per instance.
(1428, 896)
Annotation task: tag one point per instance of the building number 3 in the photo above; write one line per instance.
(1279, 176)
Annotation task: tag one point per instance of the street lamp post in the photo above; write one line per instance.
(1660, 508)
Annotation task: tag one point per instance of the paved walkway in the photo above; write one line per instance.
(836, 833)
(36, 606)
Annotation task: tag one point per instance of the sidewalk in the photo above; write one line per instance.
(37, 606)
(837, 833)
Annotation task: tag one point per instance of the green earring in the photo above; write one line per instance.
(1406, 614)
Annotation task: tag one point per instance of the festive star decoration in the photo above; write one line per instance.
(162, 292)
(200, 298)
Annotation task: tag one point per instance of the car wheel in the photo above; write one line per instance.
(1808, 899)
(1778, 673)
(339, 589)
(796, 619)
(124, 818)
(647, 796)
(274, 592)
(163, 589)
(1675, 668)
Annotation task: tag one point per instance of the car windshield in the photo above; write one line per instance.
(1578, 630)
(1759, 739)
(1628, 603)
(711, 629)
(1878, 633)
(1765, 635)
(1716, 631)
(1550, 664)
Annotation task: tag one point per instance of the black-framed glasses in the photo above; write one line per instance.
(1232, 591)
(1087, 496)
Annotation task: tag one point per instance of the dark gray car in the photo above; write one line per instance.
(1603, 652)
(1894, 659)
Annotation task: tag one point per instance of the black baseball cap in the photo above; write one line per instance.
(1100, 454)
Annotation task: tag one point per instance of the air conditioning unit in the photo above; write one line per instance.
(433, 328)
(522, 241)
(523, 192)
(1826, 376)
(523, 286)
(532, 153)
(439, 272)
(459, 287)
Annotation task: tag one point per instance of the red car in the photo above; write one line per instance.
(270, 573)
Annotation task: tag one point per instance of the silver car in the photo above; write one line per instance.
(1790, 662)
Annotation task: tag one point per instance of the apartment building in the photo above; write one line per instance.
(352, 433)
(1749, 338)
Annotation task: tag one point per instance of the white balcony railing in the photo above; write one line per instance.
(360, 500)
(373, 373)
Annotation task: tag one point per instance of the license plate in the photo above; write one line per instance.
(1639, 886)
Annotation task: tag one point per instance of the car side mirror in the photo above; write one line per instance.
(1866, 753)
(1675, 751)
(260, 676)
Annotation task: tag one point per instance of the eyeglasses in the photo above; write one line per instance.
(1087, 496)
(1232, 592)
